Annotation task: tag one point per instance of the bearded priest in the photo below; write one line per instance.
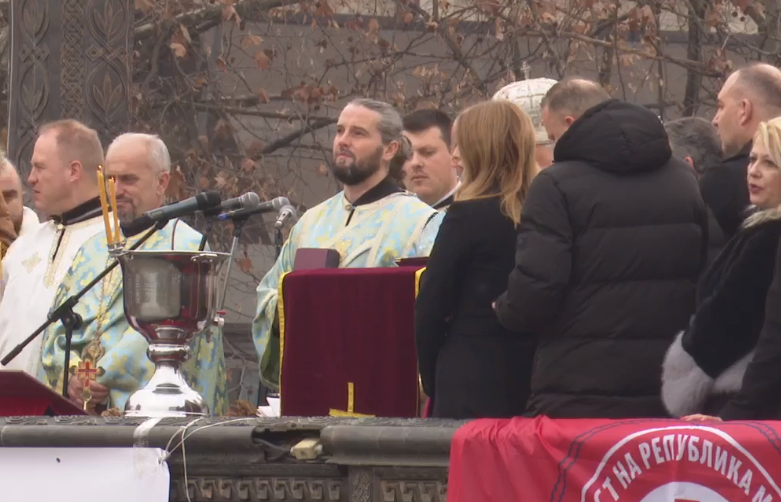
(139, 165)
(371, 223)
(63, 178)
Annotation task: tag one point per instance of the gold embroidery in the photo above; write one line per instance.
(30, 263)
(350, 412)
(59, 245)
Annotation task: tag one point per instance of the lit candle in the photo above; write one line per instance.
(112, 190)
(104, 203)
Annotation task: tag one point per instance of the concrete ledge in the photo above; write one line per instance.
(248, 459)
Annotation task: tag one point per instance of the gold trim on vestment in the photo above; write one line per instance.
(281, 316)
(420, 393)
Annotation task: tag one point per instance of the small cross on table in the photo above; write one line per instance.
(87, 373)
(350, 405)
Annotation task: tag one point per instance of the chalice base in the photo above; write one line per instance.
(166, 395)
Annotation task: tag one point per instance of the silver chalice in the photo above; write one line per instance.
(170, 297)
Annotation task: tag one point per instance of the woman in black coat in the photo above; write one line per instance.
(470, 366)
(719, 365)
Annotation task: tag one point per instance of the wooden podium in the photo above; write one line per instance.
(23, 395)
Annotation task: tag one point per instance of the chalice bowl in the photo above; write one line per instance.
(170, 297)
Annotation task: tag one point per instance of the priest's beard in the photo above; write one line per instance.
(127, 212)
(359, 170)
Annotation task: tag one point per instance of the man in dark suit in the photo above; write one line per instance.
(429, 172)
(749, 96)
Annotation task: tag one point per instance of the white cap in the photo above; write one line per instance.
(528, 94)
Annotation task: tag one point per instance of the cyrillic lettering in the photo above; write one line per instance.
(745, 483)
(734, 465)
(761, 497)
(657, 450)
(621, 474)
(721, 461)
(634, 469)
(645, 454)
(694, 453)
(668, 442)
(707, 453)
(608, 484)
(681, 446)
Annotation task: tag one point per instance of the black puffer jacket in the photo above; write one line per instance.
(612, 240)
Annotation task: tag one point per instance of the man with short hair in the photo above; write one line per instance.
(23, 218)
(528, 95)
(63, 178)
(610, 246)
(749, 96)
(696, 141)
(140, 165)
(429, 172)
(371, 223)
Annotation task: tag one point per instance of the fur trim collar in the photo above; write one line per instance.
(764, 216)
(686, 387)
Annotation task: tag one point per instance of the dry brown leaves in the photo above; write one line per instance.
(243, 409)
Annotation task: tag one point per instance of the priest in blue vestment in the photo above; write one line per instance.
(371, 223)
(140, 165)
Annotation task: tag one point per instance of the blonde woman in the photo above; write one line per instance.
(727, 364)
(470, 366)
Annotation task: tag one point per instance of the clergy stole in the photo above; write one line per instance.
(347, 342)
(33, 269)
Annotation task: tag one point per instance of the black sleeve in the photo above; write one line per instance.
(760, 393)
(543, 260)
(721, 187)
(439, 290)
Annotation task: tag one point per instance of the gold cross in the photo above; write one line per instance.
(350, 405)
(87, 373)
(30, 263)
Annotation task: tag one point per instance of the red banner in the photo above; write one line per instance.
(543, 460)
(348, 343)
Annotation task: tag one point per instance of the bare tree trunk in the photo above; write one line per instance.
(691, 97)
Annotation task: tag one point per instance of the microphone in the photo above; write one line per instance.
(263, 207)
(200, 202)
(286, 212)
(248, 200)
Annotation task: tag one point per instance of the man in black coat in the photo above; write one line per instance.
(612, 239)
(749, 96)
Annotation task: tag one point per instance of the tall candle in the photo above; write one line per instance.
(112, 190)
(104, 204)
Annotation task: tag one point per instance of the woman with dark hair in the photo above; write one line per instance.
(470, 366)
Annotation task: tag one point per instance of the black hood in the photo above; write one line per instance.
(617, 137)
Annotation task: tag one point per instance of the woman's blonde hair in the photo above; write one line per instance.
(496, 141)
(768, 136)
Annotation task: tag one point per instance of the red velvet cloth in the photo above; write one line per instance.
(22, 395)
(624, 460)
(343, 326)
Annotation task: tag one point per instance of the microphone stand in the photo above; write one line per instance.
(207, 229)
(238, 226)
(277, 242)
(70, 319)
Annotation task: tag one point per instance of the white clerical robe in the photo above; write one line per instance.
(33, 269)
(30, 222)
